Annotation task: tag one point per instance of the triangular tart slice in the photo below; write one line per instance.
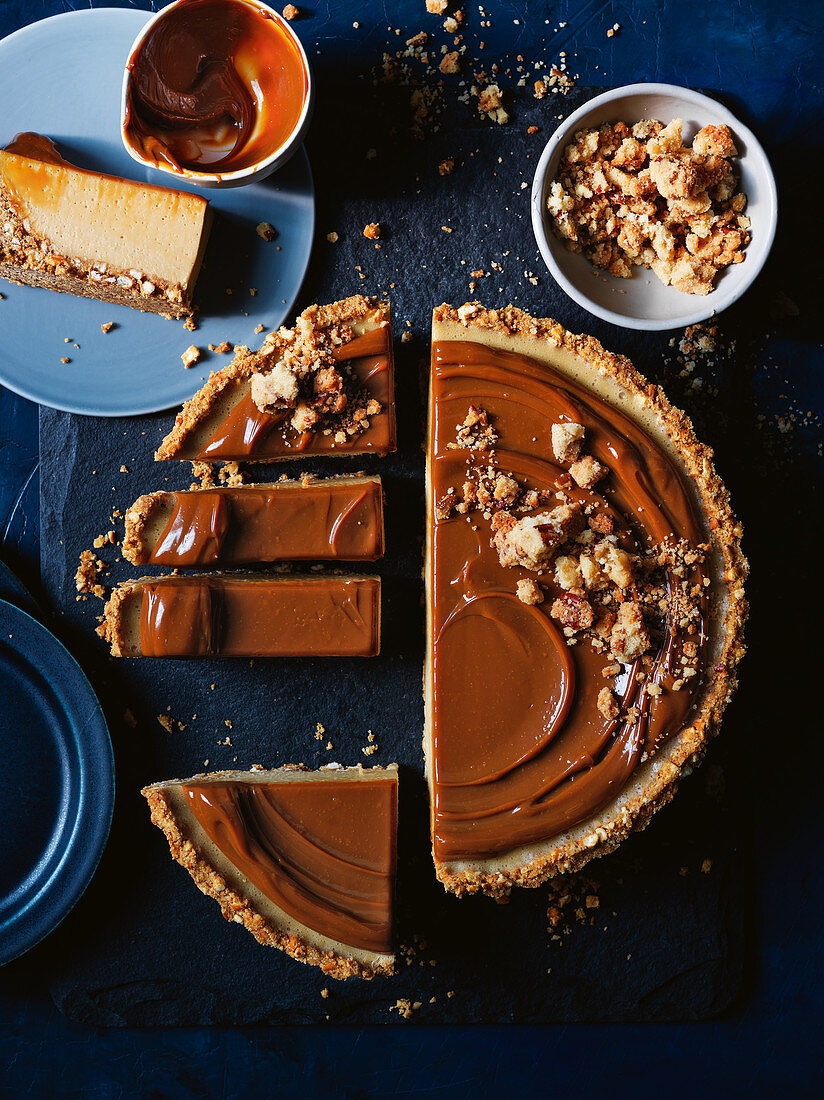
(585, 599)
(325, 387)
(305, 860)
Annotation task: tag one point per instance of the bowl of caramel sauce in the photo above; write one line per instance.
(216, 92)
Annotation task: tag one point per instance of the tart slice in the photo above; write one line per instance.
(337, 518)
(99, 236)
(585, 599)
(245, 615)
(304, 860)
(325, 387)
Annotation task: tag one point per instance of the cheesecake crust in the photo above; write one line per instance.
(653, 784)
(300, 943)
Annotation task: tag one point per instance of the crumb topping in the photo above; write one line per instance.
(638, 197)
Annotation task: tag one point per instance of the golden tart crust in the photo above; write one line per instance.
(298, 941)
(654, 782)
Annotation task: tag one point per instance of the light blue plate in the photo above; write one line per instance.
(57, 785)
(62, 77)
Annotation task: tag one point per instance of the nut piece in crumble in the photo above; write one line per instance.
(638, 197)
(529, 591)
(567, 438)
(629, 638)
(532, 541)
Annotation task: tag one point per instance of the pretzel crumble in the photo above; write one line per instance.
(638, 197)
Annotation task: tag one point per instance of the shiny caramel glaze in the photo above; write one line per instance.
(322, 851)
(284, 616)
(520, 750)
(250, 433)
(215, 86)
(335, 519)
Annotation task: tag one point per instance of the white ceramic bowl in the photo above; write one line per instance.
(643, 302)
(254, 172)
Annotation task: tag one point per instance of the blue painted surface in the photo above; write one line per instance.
(763, 60)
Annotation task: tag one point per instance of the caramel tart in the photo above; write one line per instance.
(338, 518)
(245, 615)
(324, 387)
(585, 603)
(305, 860)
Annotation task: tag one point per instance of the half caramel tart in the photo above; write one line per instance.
(305, 860)
(99, 236)
(308, 519)
(324, 387)
(585, 601)
(245, 615)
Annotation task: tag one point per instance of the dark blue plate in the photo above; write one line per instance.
(57, 782)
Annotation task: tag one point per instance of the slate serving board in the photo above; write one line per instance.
(144, 947)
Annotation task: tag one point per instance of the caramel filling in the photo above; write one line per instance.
(216, 86)
(327, 520)
(323, 851)
(284, 617)
(249, 432)
(521, 750)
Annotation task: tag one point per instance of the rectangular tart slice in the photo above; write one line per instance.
(99, 236)
(324, 387)
(304, 860)
(251, 615)
(584, 599)
(339, 518)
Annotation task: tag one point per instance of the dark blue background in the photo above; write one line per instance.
(764, 59)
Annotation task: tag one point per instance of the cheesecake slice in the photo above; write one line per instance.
(324, 387)
(585, 602)
(337, 518)
(69, 229)
(245, 615)
(304, 860)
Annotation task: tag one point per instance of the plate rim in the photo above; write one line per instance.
(27, 933)
(152, 407)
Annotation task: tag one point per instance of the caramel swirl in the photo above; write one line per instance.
(216, 85)
(322, 851)
(318, 616)
(326, 520)
(521, 750)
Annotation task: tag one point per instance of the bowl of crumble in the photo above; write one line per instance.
(654, 207)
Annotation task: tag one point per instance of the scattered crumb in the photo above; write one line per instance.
(129, 718)
(290, 12)
(372, 231)
(107, 326)
(446, 166)
(324, 993)
(332, 237)
(266, 231)
(190, 356)
(260, 328)
(706, 866)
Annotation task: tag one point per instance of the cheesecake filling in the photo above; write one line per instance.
(294, 522)
(568, 602)
(283, 617)
(323, 851)
(343, 401)
(65, 221)
(215, 86)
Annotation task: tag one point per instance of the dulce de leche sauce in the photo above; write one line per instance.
(215, 86)
(324, 852)
(521, 749)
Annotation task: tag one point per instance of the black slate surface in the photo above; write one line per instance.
(667, 941)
